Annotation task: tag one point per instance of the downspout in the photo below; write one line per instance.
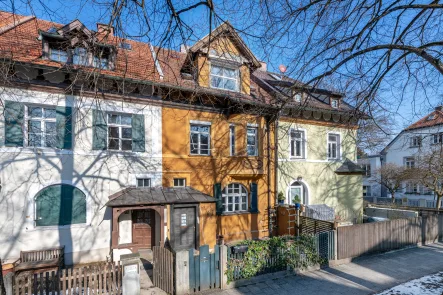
(276, 161)
(268, 160)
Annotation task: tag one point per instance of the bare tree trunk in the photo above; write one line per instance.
(393, 197)
(438, 202)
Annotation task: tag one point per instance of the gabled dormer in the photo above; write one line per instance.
(77, 45)
(222, 61)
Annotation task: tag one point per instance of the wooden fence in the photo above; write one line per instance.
(163, 270)
(287, 223)
(104, 278)
(368, 238)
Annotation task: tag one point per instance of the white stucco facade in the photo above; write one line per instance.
(98, 174)
(401, 152)
(371, 187)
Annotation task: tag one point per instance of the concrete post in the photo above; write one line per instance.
(335, 244)
(223, 266)
(7, 281)
(131, 273)
(182, 272)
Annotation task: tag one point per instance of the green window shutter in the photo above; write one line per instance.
(99, 130)
(254, 198)
(73, 205)
(138, 133)
(218, 198)
(48, 203)
(60, 204)
(14, 118)
(64, 127)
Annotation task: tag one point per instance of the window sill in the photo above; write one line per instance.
(238, 213)
(297, 159)
(198, 155)
(59, 227)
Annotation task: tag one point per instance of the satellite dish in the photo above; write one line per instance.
(282, 68)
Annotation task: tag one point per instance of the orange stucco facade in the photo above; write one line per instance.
(202, 172)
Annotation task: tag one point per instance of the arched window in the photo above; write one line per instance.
(235, 198)
(60, 204)
(297, 189)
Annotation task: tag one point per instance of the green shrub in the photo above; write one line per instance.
(274, 254)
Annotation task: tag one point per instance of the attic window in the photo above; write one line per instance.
(297, 97)
(432, 117)
(224, 77)
(125, 45)
(334, 103)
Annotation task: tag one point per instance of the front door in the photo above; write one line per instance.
(143, 228)
(184, 228)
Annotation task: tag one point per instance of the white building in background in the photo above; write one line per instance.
(417, 139)
(370, 164)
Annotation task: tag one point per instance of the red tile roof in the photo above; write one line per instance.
(21, 43)
(433, 119)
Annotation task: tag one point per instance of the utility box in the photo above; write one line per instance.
(131, 273)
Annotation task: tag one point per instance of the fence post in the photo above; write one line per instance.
(335, 244)
(182, 272)
(223, 266)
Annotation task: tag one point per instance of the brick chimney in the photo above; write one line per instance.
(104, 30)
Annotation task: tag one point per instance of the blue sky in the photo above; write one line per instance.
(404, 112)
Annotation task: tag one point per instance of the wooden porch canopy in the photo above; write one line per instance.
(155, 198)
(135, 196)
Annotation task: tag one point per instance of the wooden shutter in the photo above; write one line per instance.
(64, 127)
(99, 130)
(48, 203)
(254, 198)
(60, 204)
(218, 198)
(14, 118)
(73, 205)
(138, 133)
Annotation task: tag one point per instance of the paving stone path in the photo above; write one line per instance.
(365, 275)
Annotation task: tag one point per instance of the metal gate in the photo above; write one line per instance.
(163, 269)
(204, 269)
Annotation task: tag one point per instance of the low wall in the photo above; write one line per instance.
(390, 213)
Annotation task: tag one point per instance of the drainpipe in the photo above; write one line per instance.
(268, 160)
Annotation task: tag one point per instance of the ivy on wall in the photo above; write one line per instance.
(274, 254)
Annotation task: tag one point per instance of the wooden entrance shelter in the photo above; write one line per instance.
(145, 203)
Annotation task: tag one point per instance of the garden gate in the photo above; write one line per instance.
(204, 269)
(163, 269)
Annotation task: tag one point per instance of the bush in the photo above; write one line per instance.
(274, 254)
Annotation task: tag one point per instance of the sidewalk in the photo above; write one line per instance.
(365, 275)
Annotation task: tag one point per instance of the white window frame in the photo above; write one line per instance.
(437, 138)
(302, 192)
(367, 191)
(256, 140)
(232, 140)
(243, 193)
(415, 141)
(236, 79)
(42, 125)
(143, 179)
(302, 142)
(409, 162)
(179, 179)
(198, 153)
(54, 50)
(367, 168)
(339, 150)
(412, 188)
(334, 103)
(119, 126)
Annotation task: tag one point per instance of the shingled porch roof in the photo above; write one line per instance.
(135, 196)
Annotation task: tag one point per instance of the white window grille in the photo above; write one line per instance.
(200, 139)
(119, 132)
(235, 198)
(41, 126)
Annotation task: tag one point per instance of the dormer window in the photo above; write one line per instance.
(297, 97)
(100, 62)
(80, 56)
(334, 103)
(58, 55)
(223, 77)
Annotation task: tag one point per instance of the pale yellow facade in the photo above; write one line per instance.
(315, 173)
